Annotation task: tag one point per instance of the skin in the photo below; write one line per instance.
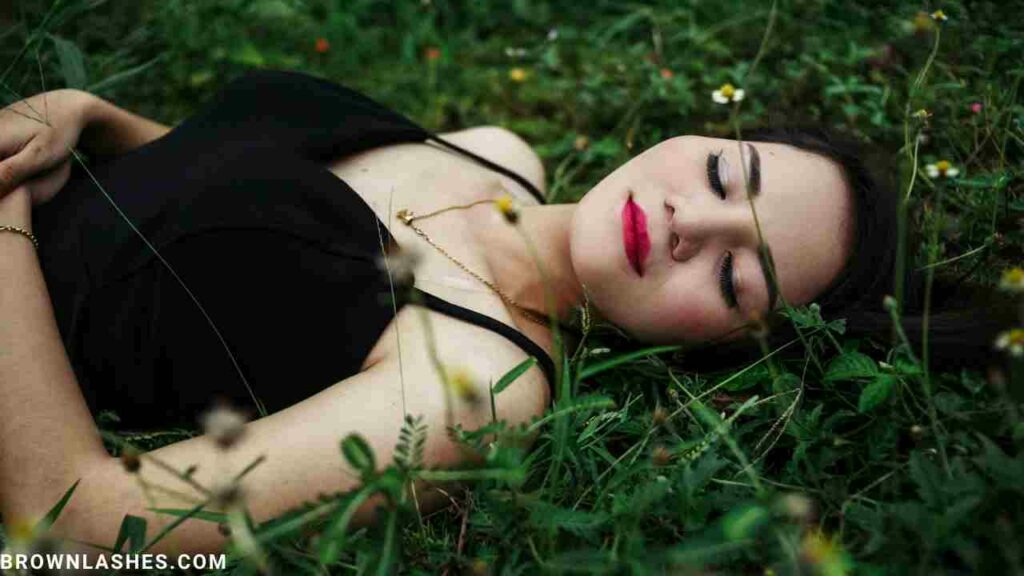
(804, 209)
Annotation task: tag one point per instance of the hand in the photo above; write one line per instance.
(36, 136)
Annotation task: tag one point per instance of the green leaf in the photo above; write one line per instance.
(359, 454)
(850, 365)
(133, 530)
(876, 392)
(610, 363)
(54, 512)
(72, 65)
(741, 523)
(121, 77)
(512, 374)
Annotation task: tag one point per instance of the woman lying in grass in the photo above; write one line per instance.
(273, 203)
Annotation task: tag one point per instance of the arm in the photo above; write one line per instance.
(48, 439)
(110, 130)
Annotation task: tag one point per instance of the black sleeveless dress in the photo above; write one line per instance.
(280, 252)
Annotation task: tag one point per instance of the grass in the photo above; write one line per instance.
(830, 463)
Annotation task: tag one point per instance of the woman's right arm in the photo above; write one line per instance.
(110, 130)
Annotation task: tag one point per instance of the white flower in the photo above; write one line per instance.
(1012, 280)
(941, 168)
(512, 52)
(1011, 341)
(224, 425)
(727, 93)
(552, 34)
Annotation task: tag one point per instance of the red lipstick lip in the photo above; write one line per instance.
(634, 235)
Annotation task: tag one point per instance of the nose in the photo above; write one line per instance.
(693, 224)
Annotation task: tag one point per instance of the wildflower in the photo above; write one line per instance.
(922, 114)
(823, 552)
(1012, 341)
(727, 93)
(224, 425)
(597, 351)
(225, 494)
(1012, 280)
(666, 74)
(922, 23)
(322, 45)
(552, 34)
(976, 107)
(659, 416)
(130, 460)
(661, 456)
(463, 383)
(508, 208)
(917, 431)
(401, 265)
(518, 75)
(941, 168)
(515, 52)
(432, 53)
(889, 303)
(939, 16)
(581, 143)
(796, 506)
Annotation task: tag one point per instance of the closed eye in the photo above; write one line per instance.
(726, 282)
(715, 173)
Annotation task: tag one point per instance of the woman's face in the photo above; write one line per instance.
(700, 275)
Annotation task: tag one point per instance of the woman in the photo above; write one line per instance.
(272, 203)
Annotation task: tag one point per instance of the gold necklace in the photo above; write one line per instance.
(407, 217)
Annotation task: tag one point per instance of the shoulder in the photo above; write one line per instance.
(504, 147)
(428, 340)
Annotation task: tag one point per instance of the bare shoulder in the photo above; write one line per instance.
(505, 148)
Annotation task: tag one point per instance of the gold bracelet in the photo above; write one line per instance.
(23, 232)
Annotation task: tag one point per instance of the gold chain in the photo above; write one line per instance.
(407, 217)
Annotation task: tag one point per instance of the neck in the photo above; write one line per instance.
(512, 252)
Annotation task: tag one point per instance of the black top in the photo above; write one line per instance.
(280, 252)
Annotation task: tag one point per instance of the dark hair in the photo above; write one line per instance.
(964, 318)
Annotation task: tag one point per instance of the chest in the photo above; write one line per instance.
(424, 179)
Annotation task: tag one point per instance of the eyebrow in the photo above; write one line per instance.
(755, 170)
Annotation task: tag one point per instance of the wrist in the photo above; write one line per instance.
(16, 208)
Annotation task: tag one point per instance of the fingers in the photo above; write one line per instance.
(34, 157)
(44, 187)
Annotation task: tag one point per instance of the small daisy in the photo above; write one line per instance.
(976, 107)
(518, 75)
(666, 74)
(552, 34)
(939, 16)
(224, 425)
(1012, 341)
(322, 45)
(464, 384)
(507, 206)
(727, 93)
(941, 168)
(513, 52)
(1013, 280)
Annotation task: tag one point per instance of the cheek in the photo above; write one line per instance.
(683, 320)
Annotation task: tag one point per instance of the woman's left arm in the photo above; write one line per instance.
(47, 433)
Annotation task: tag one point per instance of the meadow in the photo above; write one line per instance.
(842, 456)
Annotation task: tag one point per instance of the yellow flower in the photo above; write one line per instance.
(922, 23)
(1012, 341)
(727, 93)
(507, 206)
(941, 168)
(463, 383)
(518, 74)
(939, 16)
(824, 553)
(922, 114)
(1013, 280)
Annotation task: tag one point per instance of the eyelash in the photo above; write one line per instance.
(725, 280)
(714, 177)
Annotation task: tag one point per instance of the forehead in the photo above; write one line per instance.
(805, 211)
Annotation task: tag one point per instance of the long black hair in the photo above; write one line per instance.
(965, 317)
